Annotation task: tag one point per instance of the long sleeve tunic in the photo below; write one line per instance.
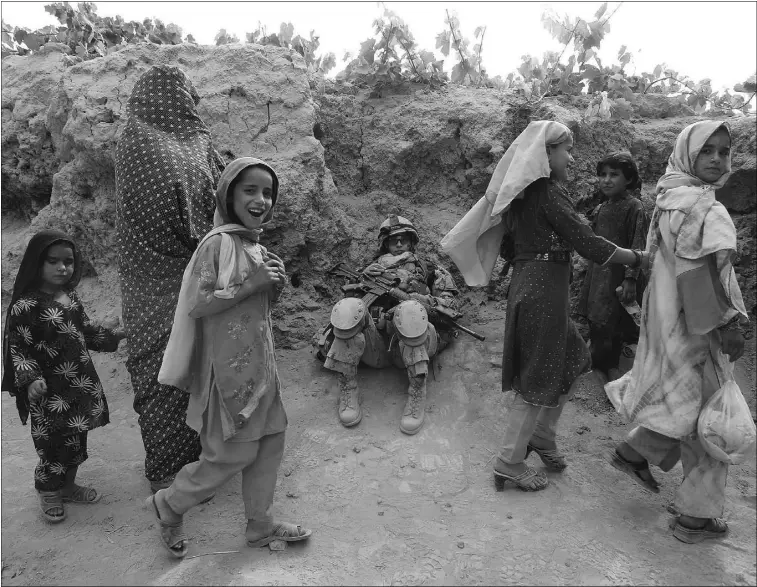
(543, 351)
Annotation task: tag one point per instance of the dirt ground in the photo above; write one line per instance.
(385, 508)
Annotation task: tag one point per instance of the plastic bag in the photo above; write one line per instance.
(725, 426)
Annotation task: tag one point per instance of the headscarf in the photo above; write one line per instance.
(27, 279)
(680, 170)
(474, 243)
(166, 172)
(701, 225)
(233, 269)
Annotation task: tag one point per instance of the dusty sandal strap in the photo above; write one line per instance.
(283, 531)
(634, 471)
(553, 459)
(49, 502)
(82, 494)
(529, 480)
(714, 528)
(171, 534)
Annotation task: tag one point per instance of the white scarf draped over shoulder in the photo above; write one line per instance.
(474, 243)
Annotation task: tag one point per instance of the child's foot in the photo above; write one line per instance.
(80, 494)
(279, 531)
(51, 506)
(171, 525)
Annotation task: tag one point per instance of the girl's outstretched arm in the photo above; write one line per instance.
(97, 338)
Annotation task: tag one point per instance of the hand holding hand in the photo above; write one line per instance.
(732, 344)
(628, 294)
(119, 333)
(37, 390)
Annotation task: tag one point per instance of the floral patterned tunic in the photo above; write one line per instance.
(49, 340)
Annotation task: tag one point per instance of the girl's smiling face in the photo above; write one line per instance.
(712, 161)
(252, 196)
(612, 182)
(560, 157)
(57, 266)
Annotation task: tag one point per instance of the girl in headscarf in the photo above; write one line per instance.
(221, 352)
(690, 322)
(166, 171)
(47, 367)
(543, 351)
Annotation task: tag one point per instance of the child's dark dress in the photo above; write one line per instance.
(49, 340)
(624, 223)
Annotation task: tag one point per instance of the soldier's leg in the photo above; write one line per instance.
(416, 353)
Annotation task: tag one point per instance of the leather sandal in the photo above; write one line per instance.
(714, 528)
(172, 535)
(634, 470)
(553, 460)
(529, 480)
(282, 531)
(51, 506)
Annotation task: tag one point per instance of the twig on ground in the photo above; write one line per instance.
(211, 553)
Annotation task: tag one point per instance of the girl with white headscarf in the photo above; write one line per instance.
(543, 351)
(691, 312)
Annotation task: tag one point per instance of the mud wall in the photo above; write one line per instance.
(345, 160)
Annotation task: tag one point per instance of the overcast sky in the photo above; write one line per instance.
(699, 39)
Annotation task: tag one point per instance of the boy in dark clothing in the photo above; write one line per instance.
(620, 218)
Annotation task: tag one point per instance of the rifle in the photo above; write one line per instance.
(375, 287)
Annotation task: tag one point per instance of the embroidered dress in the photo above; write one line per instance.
(166, 171)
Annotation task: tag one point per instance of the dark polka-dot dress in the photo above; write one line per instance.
(166, 173)
(543, 351)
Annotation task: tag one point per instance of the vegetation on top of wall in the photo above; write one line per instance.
(392, 58)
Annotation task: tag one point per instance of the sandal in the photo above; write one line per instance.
(82, 494)
(171, 535)
(635, 470)
(553, 460)
(714, 528)
(282, 531)
(529, 480)
(50, 502)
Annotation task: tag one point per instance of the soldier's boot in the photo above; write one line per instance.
(350, 412)
(415, 408)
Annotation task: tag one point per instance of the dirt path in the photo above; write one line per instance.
(385, 508)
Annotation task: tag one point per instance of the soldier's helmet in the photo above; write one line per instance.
(395, 225)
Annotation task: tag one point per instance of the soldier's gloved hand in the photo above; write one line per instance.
(374, 270)
(423, 299)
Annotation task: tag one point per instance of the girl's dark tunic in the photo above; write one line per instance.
(624, 223)
(543, 351)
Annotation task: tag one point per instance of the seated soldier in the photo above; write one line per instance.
(390, 331)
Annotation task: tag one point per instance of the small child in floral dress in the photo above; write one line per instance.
(47, 367)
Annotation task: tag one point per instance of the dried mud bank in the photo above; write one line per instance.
(345, 159)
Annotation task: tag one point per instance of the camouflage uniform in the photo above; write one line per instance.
(376, 341)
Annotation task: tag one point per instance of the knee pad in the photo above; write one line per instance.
(411, 323)
(348, 317)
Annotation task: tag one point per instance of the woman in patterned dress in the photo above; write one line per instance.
(47, 368)
(166, 172)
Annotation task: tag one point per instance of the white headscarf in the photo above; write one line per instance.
(473, 244)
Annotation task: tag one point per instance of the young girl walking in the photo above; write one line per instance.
(221, 352)
(620, 218)
(543, 352)
(690, 332)
(47, 368)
